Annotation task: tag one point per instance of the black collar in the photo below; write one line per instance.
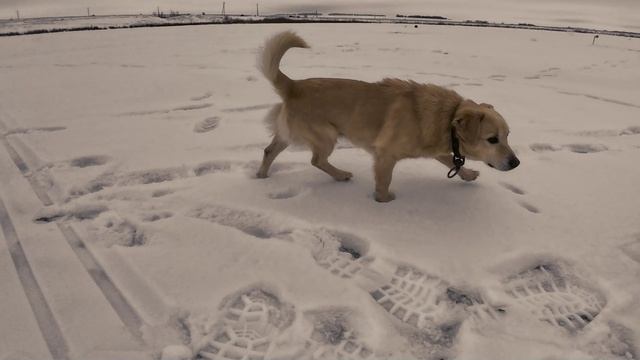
(458, 159)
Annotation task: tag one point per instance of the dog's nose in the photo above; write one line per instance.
(514, 162)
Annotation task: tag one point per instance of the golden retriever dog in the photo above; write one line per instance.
(391, 119)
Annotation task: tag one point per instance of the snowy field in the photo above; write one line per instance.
(132, 222)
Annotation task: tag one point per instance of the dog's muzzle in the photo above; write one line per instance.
(507, 165)
(513, 163)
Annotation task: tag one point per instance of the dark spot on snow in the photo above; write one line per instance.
(514, 189)
(332, 332)
(210, 167)
(48, 218)
(161, 192)
(283, 194)
(151, 217)
(206, 125)
(86, 161)
(458, 297)
(542, 147)
(586, 148)
(257, 231)
(631, 130)
(529, 207)
(351, 251)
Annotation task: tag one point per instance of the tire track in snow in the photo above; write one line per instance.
(127, 314)
(47, 323)
(114, 296)
(41, 193)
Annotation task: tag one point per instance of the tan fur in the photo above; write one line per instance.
(391, 119)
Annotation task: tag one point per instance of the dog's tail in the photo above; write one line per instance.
(269, 59)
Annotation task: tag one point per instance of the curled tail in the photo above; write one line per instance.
(269, 60)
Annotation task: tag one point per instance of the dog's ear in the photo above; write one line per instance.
(467, 124)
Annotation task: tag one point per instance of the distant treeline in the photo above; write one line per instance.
(435, 17)
(347, 14)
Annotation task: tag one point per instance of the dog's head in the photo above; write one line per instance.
(483, 135)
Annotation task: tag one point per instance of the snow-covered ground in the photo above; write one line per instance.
(130, 210)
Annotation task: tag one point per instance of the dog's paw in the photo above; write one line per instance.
(468, 174)
(343, 176)
(386, 197)
(261, 175)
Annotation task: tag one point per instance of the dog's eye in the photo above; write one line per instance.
(492, 140)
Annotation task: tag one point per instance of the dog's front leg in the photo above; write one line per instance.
(464, 173)
(383, 169)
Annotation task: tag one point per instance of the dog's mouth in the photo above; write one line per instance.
(491, 166)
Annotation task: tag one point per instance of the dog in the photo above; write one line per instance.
(391, 119)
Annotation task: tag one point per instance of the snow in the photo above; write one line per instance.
(145, 143)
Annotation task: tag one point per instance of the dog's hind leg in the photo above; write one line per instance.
(270, 153)
(320, 159)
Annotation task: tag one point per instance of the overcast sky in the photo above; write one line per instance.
(614, 14)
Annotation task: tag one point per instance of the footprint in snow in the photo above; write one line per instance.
(498, 77)
(161, 192)
(554, 294)
(617, 342)
(204, 96)
(529, 207)
(585, 148)
(217, 166)
(342, 254)
(91, 160)
(631, 130)
(285, 193)
(206, 125)
(576, 148)
(543, 147)
(333, 336)
(514, 189)
(415, 298)
(154, 176)
(155, 216)
(250, 322)
(428, 309)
